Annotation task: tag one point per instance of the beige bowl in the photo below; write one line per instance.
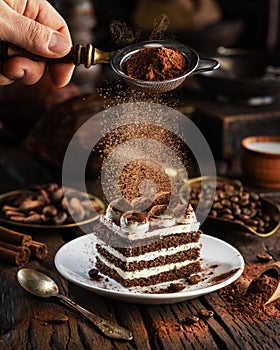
(261, 161)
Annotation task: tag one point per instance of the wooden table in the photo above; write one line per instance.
(27, 321)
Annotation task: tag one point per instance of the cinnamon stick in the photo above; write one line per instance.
(14, 254)
(13, 237)
(38, 249)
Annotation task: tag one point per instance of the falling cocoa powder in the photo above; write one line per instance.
(155, 64)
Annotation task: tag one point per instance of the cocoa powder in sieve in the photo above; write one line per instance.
(155, 64)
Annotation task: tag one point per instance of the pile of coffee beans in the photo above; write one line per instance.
(49, 204)
(233, 203)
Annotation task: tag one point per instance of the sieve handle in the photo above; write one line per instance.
(86, 55)
(206, 65)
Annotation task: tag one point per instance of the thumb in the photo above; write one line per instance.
(35, 37)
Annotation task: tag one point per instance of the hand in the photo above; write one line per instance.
(37, 27)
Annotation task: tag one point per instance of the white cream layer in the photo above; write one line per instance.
(150, 255)
(145, 273)
(182, 228)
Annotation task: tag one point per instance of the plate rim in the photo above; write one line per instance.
(135, 296)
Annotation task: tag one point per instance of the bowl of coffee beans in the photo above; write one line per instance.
(49, 205)
(233, 205)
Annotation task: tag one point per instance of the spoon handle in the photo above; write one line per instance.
(108, 328)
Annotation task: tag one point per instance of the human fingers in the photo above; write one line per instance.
(38, 28)
(23, 70)
(5, 81)
(61, 73)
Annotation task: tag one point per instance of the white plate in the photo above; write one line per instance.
(221, 265)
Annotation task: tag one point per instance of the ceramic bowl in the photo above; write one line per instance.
(261, 161)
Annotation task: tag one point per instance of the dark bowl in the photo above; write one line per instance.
(243, 74)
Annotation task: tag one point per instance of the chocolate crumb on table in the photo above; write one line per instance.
(156, 64)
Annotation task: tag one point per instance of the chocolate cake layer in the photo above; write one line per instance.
(128, 248)
(190, 254)
(170, 275)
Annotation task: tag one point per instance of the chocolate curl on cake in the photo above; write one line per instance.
(38, 250)
(14, 254)
(134, 221)
(162, 198)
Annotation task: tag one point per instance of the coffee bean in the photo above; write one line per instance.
(255, 196)
(246, 211)
(243, 217)
(60, 218)
(190, 319)
(239, 222)
(217, 205)
(33, 219)
(17, 218)
(226, 211)
(49, 210)
(251, 222)
(226, 203)
(234, 199)
(227, 216)
(237, 211)
(194, 279)
(93, 273)
(244, 202)
(206, 313)
(175, 287)
(264, 257)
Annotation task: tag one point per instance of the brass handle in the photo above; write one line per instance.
(86, 55)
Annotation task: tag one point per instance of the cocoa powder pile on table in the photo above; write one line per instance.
(155, 64)
(244, 301)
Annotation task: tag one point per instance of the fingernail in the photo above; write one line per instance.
(58, 44)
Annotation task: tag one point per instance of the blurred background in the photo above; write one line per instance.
(241, 98)
(204, 24)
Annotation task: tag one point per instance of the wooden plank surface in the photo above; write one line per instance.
(27, 322)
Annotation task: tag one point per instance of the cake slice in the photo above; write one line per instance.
(144, 248)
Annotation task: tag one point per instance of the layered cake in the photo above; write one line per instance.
(144, 244)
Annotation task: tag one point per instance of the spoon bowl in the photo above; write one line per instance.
(41, 285)
(37, 283)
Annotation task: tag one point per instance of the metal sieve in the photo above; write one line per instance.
(88, 56)
(194, 65)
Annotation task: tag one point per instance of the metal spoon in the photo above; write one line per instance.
(41, 285)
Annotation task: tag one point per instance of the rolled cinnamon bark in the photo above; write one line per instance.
(14, 254)
(38, 249)
(13, 237)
